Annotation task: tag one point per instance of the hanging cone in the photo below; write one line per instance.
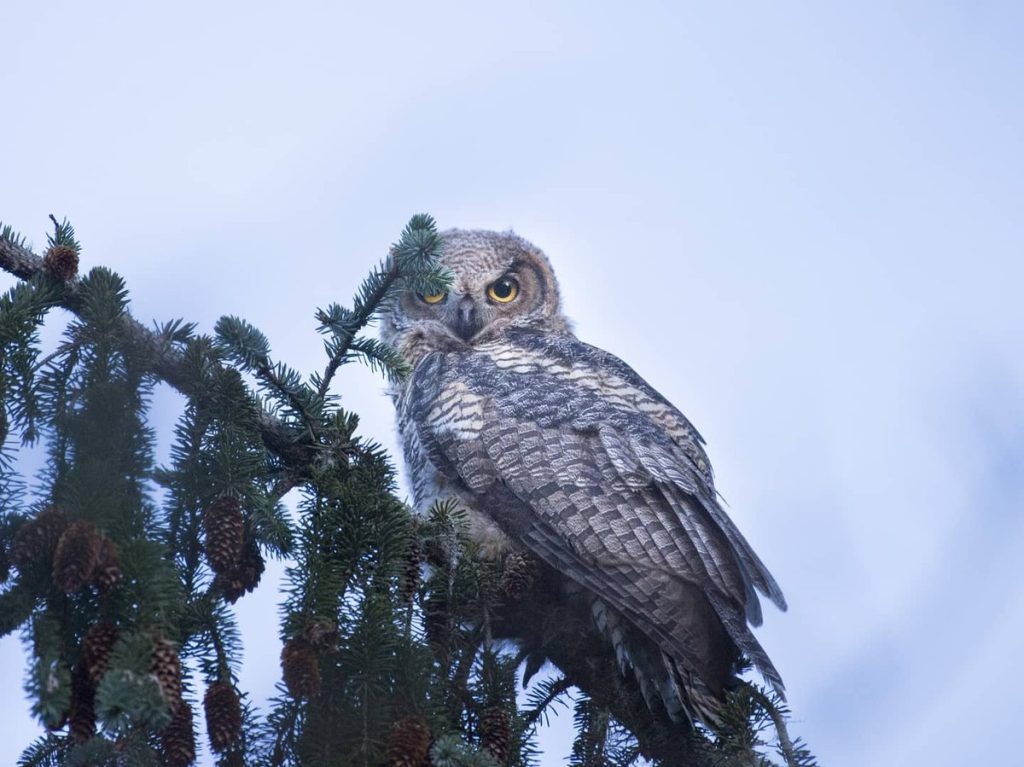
(5, 565)
(322, 634)
(223, 716)
(82, 718)
(178, 739)
(437, 551)
(300, 668)
(97, 648)
(108, 570)
(77, 554)
(412, 574)
(61, 262)
(496, 733)
(223, 527)
(165, 665)
(37, 538)
(517, 575)
(242, 577)
(409, 742)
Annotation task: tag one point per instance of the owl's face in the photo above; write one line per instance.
(499, 281)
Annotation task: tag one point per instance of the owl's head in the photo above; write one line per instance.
(499, 280)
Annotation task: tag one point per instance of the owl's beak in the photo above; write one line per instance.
(467, 321)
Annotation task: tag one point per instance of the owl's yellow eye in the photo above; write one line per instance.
(503, 291)
(433, 298)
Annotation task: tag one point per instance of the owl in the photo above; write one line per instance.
(560, 450)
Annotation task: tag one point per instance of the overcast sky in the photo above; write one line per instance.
(802, 224)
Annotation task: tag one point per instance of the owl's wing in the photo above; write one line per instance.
(574, 455)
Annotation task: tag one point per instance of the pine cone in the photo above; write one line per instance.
(300, 668)
(61, 262)
(97, 648)
(321, 634)
(5, 565)
(409, 742)
(243, 577)
(224, 527)
(517, 575)
(412, 575)
(496, 733)
(37, 538)
(165, 665)
(82, 719)
(223, 716)
(178, 739)
(78, 551)
(108, 570)
(438, 552)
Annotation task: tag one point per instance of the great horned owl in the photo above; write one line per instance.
(561, 449)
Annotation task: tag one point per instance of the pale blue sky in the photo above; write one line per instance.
(800, 221)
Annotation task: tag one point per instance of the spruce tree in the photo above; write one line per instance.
(123, 574)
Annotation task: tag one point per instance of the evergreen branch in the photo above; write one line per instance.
(381, 282)
(552, 690)
(8, 233)
(414, 254)
(16, 258)
(794, 756)
(158, 353)
(251, 349)
(63, 234)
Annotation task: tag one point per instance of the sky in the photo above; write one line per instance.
(801, 222)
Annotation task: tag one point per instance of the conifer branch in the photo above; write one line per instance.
(157, 352)
(551, 692)
(411, 262)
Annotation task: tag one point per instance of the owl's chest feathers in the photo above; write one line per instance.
(461, 413)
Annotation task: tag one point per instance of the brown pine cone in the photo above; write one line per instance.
(409, 742)
(300, 668)
(97, 648)
(5, 565)
(82, 719)
(223, 527)
(496, 733)
(75, 558)
(37, 538)
(178, 739)
(165, 665)
(321, 634)
(437, 552)
(223, 716)
(517, 575)
(242, 577)
(108, 570)
(61, 262)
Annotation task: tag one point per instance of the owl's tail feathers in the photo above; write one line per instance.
(754, 568)
(663, 681)
(699, 702)
(736, 626)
